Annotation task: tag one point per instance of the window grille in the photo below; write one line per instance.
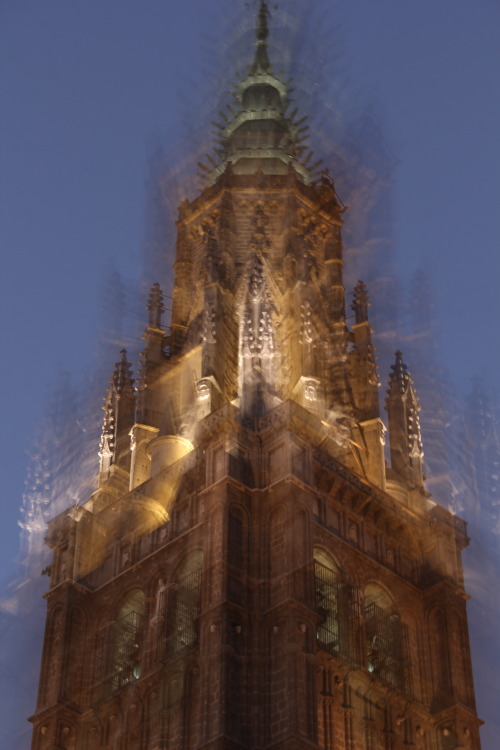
(335, 603)
(387, 647)
(185, 604)
(118, 651)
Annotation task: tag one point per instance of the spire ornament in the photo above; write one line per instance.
(404, 425)
(261, 62)
(258, 371)
(360, 302)
(119, 407)
(122, 379)
(155, 306)
(363, 361)
(259, 134)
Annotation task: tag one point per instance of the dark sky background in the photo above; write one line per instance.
(90, 89)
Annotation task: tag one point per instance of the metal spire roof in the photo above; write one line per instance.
(261, 62)
(258, 134)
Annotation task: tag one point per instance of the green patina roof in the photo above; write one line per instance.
(260, 135)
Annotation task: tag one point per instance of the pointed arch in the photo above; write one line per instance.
(324, 558)
(259, 307)
(379, 596)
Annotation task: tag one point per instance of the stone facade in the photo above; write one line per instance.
(249, 574)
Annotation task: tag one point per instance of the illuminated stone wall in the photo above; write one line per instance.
(249, 573)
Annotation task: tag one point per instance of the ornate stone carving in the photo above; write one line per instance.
(209, 330)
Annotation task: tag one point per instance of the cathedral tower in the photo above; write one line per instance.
(248, 573)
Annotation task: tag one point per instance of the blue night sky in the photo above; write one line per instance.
(89, 90)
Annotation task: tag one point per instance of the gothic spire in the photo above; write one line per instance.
(119, 405)
(258, 134)
(122, 379)
(360, 302)
(364, 367)
(399, 379)
(152, 355)
(404, 424)
(155, 306)
(261, 62)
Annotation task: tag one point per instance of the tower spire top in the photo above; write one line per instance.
(155, 306)
(360, 302)
(404, 425)
(261, 62)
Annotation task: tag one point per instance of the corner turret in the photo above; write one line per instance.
(365, 384)
(119, 408)
(402, 406)
(147, 421)
(152, 354)
(364, 368)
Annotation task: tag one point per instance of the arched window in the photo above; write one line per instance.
(185, 603)
(119, 645)
(338, 629)
(327, 596)
(387, 654)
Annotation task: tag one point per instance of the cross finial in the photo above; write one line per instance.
(261, 62)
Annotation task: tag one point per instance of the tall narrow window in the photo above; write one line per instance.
(338, 630)
(387, 653)
(326, 591)
(119, 646)
(186, 603)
